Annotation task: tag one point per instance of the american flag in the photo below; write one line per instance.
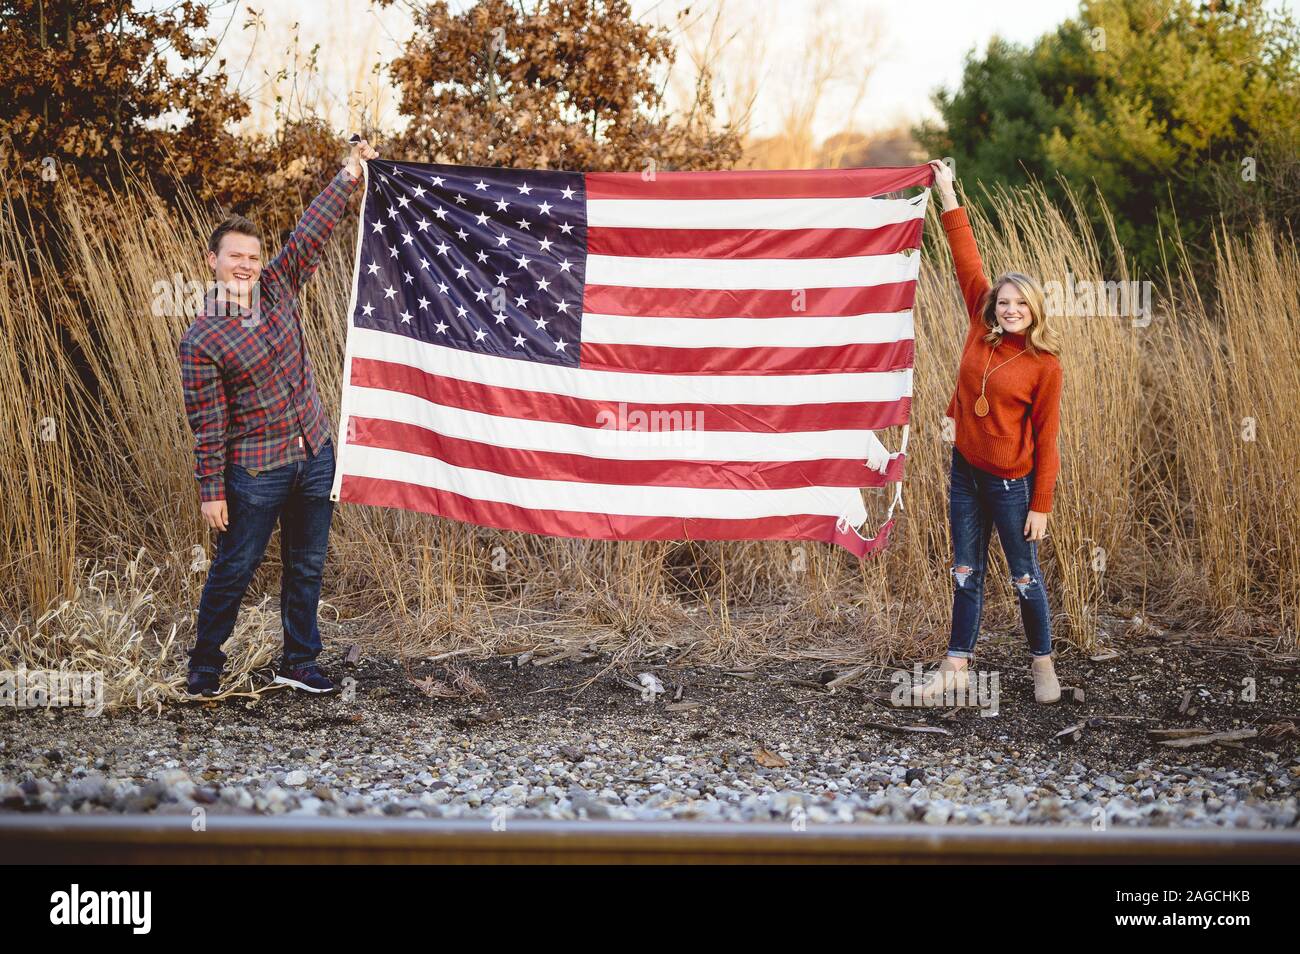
(632, 356)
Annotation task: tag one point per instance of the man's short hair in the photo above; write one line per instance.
(232, 223)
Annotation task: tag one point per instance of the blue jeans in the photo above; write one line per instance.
(978, 501)
(296, 495)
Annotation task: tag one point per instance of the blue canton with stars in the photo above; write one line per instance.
(486, 260)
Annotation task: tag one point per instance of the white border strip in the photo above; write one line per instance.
(340, 445)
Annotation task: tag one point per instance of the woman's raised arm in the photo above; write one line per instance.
(961, 239)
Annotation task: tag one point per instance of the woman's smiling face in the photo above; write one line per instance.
(1012, 309)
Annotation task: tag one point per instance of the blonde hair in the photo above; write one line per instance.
(1041, 336)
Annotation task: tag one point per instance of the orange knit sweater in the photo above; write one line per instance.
(1019, 432)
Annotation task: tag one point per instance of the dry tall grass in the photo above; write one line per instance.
(1225, 501)
(1162, 505)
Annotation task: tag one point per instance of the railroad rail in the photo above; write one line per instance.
(244, 839)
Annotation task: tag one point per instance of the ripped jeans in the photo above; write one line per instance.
(978, 501)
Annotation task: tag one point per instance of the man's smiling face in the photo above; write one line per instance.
(237, 264)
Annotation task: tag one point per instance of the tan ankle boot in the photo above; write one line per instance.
(931, 692)
(1046, 687)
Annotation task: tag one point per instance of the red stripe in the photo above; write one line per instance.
(596, 526)
(758, 183)
(834, 359)
(754, 243)
(553, 465)
(748, 302)
(584, 412)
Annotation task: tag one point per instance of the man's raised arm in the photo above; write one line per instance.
(294, 263)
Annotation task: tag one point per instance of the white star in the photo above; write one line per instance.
(562, 306)
(568, 193)
(372, 268)
(503, 240)
(406, 317)
(481, 256)
(419, 192)
(407, 277)
(423, 224)
(525, 189)
(392, 251)
(519, 341)
(440, 328)
(461, 271)
(480, 335)
(407, 238)
(403, 201)
(462, 234)
(460, 311)
(441, 213)
(544, 208)
(460, 199)
(378, 226)
(543, 284)
(424, 264)
(525, 225)
(561, 345)
(566, 228)
(390, 292)
(392, 213)
(442, 247)
(541, 322)
(501, 279)
(367, 308)
(424, 303)
(480, 185)
(436, 180)
(442, 287)
(565, 266)
(501, 318)
(482, 218)
(523, 261)
(480, 294)
(545, 245)
(501, 205)
(521, 301)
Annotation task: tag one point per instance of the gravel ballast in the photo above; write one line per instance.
(575, 740)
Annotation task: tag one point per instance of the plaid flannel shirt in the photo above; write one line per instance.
(250, 395)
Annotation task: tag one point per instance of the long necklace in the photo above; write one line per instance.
(982, 403)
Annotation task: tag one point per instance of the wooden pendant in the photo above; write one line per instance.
(981, 406)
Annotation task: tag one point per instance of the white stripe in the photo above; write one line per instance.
(746, 273)
(641, 501)
(855, 213)
(634, 388)
(807, 332)
(670, 439)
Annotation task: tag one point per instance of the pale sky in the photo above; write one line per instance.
(876, 62)
(904, 50)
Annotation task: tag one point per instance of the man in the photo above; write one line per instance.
(262, 446)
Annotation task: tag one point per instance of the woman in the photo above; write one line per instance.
(1005, 413)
